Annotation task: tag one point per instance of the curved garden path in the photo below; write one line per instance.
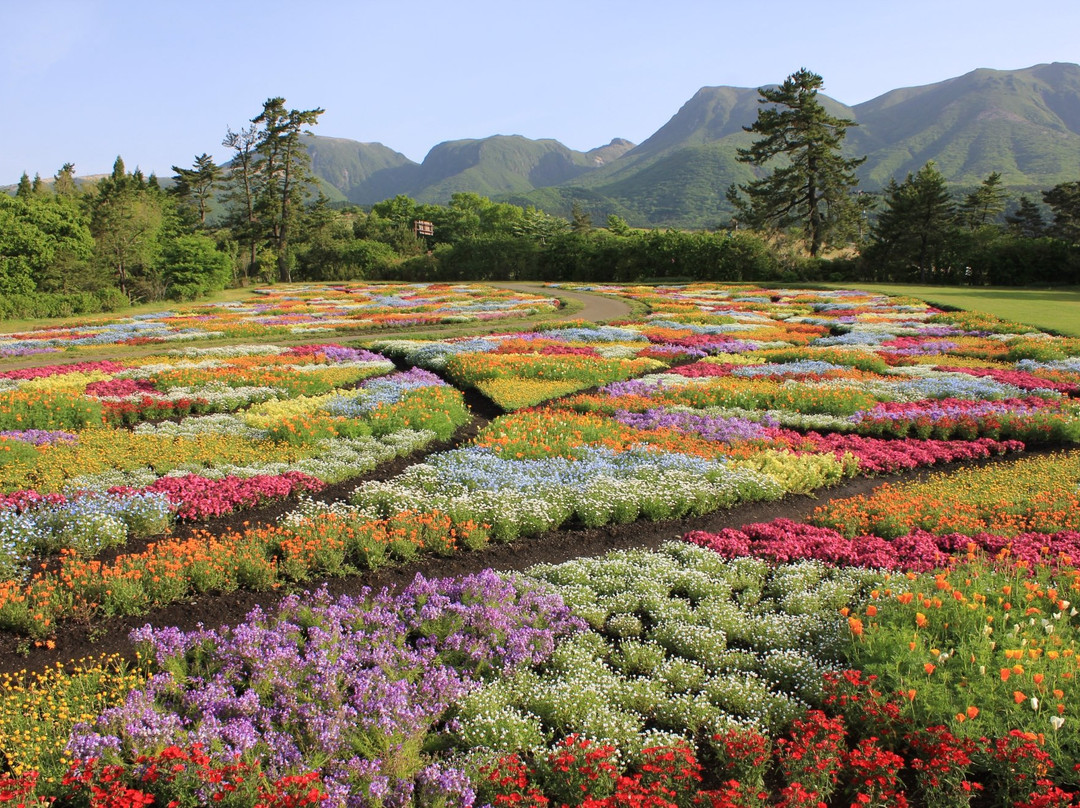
(596, 308)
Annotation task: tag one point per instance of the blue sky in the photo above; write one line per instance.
(159, 81)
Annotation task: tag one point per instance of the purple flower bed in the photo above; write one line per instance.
(952, 408)
(350, 688)
(40, 437)
(337, 353)
(722, 430)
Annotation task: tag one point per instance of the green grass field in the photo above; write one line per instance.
(1056, 310)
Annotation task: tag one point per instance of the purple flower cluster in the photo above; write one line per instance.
(721, 430)
(40, 437)
(632, 387)
(338, 353)
(349, 687)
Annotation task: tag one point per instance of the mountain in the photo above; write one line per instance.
(495, 166)
(1024, 124)
(356, 169)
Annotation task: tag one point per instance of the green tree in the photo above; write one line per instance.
(64, 184)
(193, 266)
(470, 215)
(811, 187)
(196, 185)
(25, 190)
(540, 226)
(45, 245)
(284, 171)
(240, 186)
(618, 225)
(1064, 201)
(580, 220)
(985, 204)
(126, 221)
(1027, 220)
(914, 230)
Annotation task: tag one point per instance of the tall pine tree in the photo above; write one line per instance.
(196, 185)
(914, 231)
(811, 186)
(285, 173)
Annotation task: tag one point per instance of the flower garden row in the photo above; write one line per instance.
(280, 421)
(295, 310)
(708, 674)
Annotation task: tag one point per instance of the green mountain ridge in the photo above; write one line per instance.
(1024, 124)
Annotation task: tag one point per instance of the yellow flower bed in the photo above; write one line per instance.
(38, 710)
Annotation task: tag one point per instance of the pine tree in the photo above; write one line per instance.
(914, 230)
(197, 184)
(983, 205)
(240, 193)
(580, 221)
(1064, 201)
(65, 181)
(812, 185)
(285, 172)
(1027, 221)
(25, 190)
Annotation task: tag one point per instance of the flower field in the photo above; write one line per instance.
(916, 644)
(297, 310)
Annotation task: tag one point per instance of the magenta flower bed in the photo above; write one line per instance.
(783, 540)
(199, 497)
(880, 456)
(105, 366)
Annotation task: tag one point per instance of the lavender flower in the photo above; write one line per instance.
(349, 687)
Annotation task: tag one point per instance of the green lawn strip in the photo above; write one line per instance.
(1056, 310)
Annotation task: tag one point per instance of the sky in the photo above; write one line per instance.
(161, 81)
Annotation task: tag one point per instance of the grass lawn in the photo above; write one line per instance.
(1055, 310)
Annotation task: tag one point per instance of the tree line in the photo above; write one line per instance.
(67, 248)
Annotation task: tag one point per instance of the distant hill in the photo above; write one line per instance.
(1024, 124)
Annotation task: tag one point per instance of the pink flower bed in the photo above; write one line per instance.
(197, 497)
(21, 500)
(783, 540)
(702, 369)
(880, 456)
(117, 388)
(105, 366)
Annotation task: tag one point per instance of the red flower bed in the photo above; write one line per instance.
(881, 456)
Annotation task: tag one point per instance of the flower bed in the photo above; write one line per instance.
(693, 675)
(296, 309)
(303, 436)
